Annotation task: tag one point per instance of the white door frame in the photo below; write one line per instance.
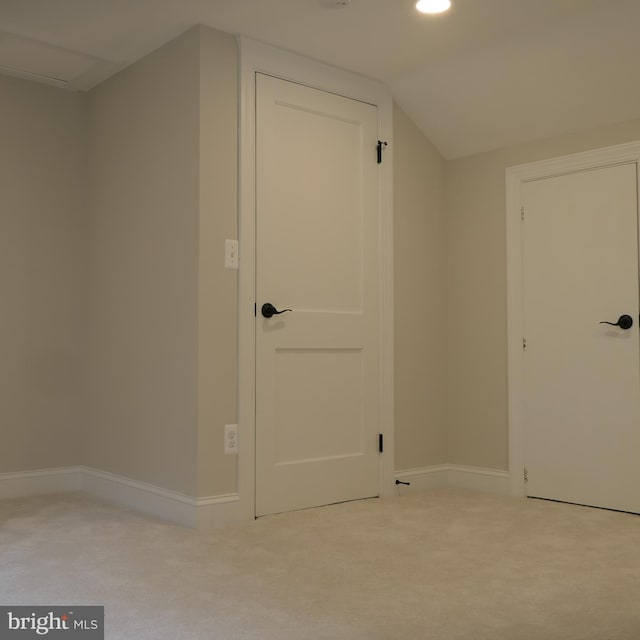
(515, 177)
(259, 58)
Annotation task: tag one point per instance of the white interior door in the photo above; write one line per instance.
(582, 378)
(317, 252)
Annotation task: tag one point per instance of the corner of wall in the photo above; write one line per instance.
(217, 286)
(420, 292)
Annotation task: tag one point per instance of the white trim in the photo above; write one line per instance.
(256, 57)
(515, 177)
(422, 479)
(212, 511)
(493, 481)
(162, 503)
(141, 496)
(40, 482)
(219, 510)
(477, 479)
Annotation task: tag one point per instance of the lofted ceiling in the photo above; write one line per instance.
(486, 74)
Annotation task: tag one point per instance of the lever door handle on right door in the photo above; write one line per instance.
(624, 322)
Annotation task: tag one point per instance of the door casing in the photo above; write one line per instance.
(515, 177)
(259, 58)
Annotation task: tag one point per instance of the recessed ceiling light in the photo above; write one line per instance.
(432, 6)
(335, 4)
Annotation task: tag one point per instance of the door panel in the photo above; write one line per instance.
(317, 367)
(335, 398)
(317, 205)
(582, 378)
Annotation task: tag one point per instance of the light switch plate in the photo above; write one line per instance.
(231, 254)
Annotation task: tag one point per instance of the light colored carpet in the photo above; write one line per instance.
(443, 565)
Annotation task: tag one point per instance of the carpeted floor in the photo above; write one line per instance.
(443, 565)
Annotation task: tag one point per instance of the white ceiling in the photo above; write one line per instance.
(487, 74)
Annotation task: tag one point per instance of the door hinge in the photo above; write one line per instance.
(381, 443)
(526, 475)
(524, 344)
(381, 143)
(255, 310)
(522, 212)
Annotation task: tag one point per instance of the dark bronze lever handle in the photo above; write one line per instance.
(624, 322)
(268, 310)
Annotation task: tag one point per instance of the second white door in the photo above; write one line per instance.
(581, 377)
(317, 366)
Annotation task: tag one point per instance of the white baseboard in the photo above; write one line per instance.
(217, 510)
(478, 479)
(140, 496)
(452, 475)
(422, 479)
(143, 497)
(204, 513)
(41, 482)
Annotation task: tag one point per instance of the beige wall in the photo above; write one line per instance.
(217, 374)
(144, 185)
(420, 298)
(476, 283)
(42, 275)
(163, 144)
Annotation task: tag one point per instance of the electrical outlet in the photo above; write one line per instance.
(230, 439)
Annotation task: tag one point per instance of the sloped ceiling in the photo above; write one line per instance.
(487, 74)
